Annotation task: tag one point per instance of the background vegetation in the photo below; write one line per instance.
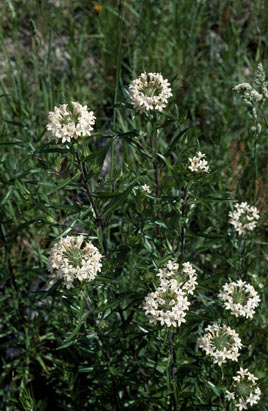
(54, 352)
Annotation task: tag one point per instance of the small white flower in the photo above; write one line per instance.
(149, 92)
(229, 395)
(242, 405)
(146, 189)
(198, 164)
(67, 124)
(244, 218)
(240, 298)
(72, 262)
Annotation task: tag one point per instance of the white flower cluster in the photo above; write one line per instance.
(220, 343)
(66, 124)
(198, 164)
(240, 298)
(251, 96)
(72, 262)
(260, 81)
(248, 93)
(149, 92)
(169, 303)
(245, 391)
(244, 218)
(185, 276)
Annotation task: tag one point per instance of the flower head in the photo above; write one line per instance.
(184, 274)
(149, 92)
(168, 304)
(240, 298)
(66, 124)
(198, 164)
(72, 262)
(253, 97)
(244, 390)
(220, 343)
(244, 218)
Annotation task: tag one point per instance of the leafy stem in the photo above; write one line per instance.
(155, 167)
(97, 215)
(106, 352)
(240, 252)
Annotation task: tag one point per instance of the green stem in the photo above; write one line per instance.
(171, 352)
(240, 252)
(106, 353)
(117, 78)
(153, 148)
(255, 170)
(97, 215)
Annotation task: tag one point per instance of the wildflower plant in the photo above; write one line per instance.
(254, 97)
(120, 261)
